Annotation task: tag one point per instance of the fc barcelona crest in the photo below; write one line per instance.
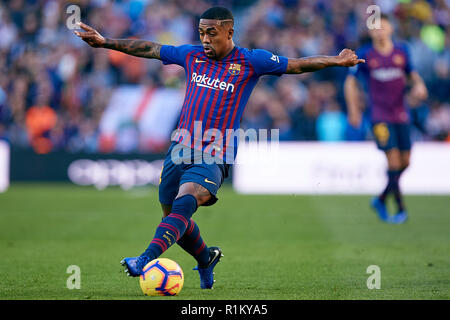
(398, 59)
(234, 69)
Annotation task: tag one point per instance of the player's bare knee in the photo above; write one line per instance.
(405, 164)
(394, 159)
(201, 200)
(395, 165)
(201, 194)
(405, 160)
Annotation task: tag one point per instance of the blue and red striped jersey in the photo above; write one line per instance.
(217, 92)
(385, 78)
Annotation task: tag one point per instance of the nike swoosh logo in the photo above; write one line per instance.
(216, 253)
(171, 235)
(198, 61)
(208, 181)
(206, 86)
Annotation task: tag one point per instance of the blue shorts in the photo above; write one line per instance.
(392, 136)
(173, 175)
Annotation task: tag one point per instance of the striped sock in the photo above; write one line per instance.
(193, 243)
(172, 227)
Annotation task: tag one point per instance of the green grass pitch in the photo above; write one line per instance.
(275, 247)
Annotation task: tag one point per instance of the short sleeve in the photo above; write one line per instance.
(175, 55)
(353, 71)
(265, 62)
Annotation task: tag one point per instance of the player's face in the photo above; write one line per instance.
(384, 33)
(215, 36)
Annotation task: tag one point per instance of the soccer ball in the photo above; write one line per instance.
(161, 277)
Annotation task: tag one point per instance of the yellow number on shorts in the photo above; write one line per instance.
(381, 132)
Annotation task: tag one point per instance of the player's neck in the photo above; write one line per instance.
(227, 52)
(384, 47)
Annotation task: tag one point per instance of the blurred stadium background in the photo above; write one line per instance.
(58, 94)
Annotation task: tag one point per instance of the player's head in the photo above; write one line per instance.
(384, 32)
(216, 31)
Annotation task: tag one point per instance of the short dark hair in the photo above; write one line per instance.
(386, 17)
(217, 13)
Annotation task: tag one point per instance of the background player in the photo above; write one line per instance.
(220, 78)
(385, 73)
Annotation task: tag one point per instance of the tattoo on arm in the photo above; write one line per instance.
(201, 191)
(138, 48)
(310, 64)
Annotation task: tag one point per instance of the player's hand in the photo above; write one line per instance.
(419, 91)
(90, 36)
(348, 58)
(354, 119)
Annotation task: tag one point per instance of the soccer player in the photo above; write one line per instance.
(220, 77)
(385, 73)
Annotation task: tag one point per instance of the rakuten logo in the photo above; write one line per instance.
(207, 82)
(387, 74)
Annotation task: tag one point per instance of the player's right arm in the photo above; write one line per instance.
(346, 58)
(138, 48)
(351, 93)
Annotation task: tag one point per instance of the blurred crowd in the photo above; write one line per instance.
(54, 88)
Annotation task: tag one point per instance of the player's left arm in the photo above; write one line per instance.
(418, 87)
(138, 48)
(346, 58)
